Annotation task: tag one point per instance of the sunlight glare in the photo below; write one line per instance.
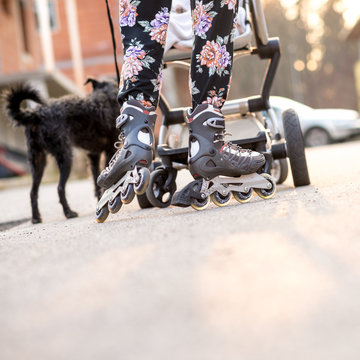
(350, 9)
(299, 65)
(288, 3)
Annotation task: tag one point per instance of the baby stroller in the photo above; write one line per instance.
(242, 116)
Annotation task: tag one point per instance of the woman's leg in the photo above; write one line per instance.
(210, 157)
(211, 64)
(143, 25)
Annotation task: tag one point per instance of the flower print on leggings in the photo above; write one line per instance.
(158, 26)
(230, 3)
(202, 18)
(158, 81)
(141, 99)
(135, 59)
(216, 97)
(215, 57)
(127, 12)
(144, 24)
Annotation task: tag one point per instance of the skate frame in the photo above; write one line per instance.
(113, 191)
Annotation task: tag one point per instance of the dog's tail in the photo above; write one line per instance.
(13, 99)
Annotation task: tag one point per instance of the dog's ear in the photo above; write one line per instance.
(95, 84)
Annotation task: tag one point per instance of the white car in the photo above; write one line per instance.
(319, 126)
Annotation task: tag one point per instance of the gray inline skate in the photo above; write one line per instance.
(127, 173)
(220, 169)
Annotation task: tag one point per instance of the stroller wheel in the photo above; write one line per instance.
(143, 200)
(158, 192)
(279, 170)
(295, 148)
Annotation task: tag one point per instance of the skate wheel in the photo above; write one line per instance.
(102, 214)
(219, 199)
(128, 196)
(200, 204)
(143, 183)
(267, 193)
(115, 205)
(243, 197)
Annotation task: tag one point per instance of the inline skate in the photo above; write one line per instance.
(127, 173)
(220, 169)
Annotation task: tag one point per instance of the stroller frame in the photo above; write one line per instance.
(268, 141)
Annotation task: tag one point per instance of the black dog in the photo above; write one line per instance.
(55, 126)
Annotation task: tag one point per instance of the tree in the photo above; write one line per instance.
(316, 65)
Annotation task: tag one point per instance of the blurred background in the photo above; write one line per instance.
(57, 44)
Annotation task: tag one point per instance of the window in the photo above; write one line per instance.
(52, 13)
(24, 26)
(5, 4)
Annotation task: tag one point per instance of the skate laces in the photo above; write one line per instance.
(233, 150)
(117, 145)
(220, 136)
(120, 121)
(112, 161)
(235, 154)
(228, 146)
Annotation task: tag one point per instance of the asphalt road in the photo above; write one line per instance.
(276, 279)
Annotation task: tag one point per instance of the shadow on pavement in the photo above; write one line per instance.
(10, 224)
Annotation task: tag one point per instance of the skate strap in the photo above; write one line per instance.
(183, 197)
(217, 123)
(134, 104)
(121, 120)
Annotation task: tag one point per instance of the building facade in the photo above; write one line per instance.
(55, 45)
(21, 47)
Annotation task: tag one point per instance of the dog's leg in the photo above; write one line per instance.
(95, 170)
(37, 159)
(64, 162)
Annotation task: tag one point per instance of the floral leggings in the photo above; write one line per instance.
(144, 26)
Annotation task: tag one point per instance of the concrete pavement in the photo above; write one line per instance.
(276, 279)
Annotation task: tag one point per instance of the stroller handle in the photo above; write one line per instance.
(259, 21)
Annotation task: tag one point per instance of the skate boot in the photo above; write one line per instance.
(220, 169)
(127, 172)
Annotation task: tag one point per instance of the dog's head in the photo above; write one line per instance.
(105, 93)
(101, 84)
(107, 87)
